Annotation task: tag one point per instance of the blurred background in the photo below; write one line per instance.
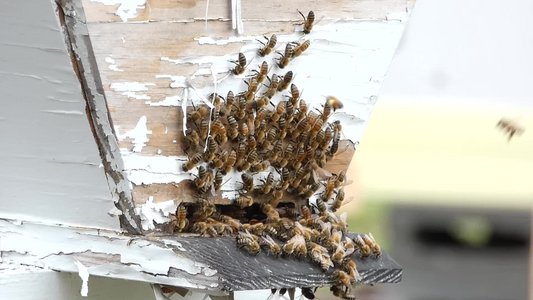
(437, 183)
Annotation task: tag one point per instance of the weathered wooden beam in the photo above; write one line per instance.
(211, 265)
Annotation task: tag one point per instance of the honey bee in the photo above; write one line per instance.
(230, 162)
(261, 74)
(300, 48)
(205, 210)
(260, 167)
(266, 188)
(204, 228)
(308, 22)
(341, 178)
(343, 278)
(201, 179)
(350, 267)
(334, 146)
(338, 255)
(338, 200)
(248, 242)
(371, 242)
(287, 78)
(244, 201)
(295, 246)
(217, 183)
(204, 129)
(180, 222)
(192, 140)
(211, 150)
(271, 213)
(198, 113)
(510, 128)
(268, 46)
(233, 223)
(252, 88)
(230, 102)
(286, 57)
(270, 245)
(277, 195)
(218, 130)
(233, 129)
(192, 162)
(273, 87)
(247, 182)
(240, 64)
(362, 246)
(334, 103)
(319, 255)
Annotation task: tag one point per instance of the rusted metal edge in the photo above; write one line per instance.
(72, 19)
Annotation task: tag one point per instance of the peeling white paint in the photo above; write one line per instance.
(139, 134)
(112, 64)
(84, 275)
(177, 81)
(143, 169)
(132, 89)
(127, 9)
(157, 213)
(50, 246)
(168, 101)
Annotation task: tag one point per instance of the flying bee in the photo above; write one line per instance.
(287, 78)
(180, 221)
(230, 162)
(247, 182)
(300, 48)
(248, 242)
(270, 245)
(338, 200)
(509, 127)
(319, 255)
(198, 114)
(308, 22)
(244, 201)
(334, 103)
(371, 242)
(295, 246)
(286, 57)
(268, 46)
(192, 162)
(240, 64)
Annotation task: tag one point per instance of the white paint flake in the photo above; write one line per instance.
(142, 169)
(127, 9)
(84, 275)
(132, 89)
(112, 64)
(155, 213)
(139, 134)
(168, 101)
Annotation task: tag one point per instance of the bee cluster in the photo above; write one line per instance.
(286, 201)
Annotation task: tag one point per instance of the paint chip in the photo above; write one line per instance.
(84, 275)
